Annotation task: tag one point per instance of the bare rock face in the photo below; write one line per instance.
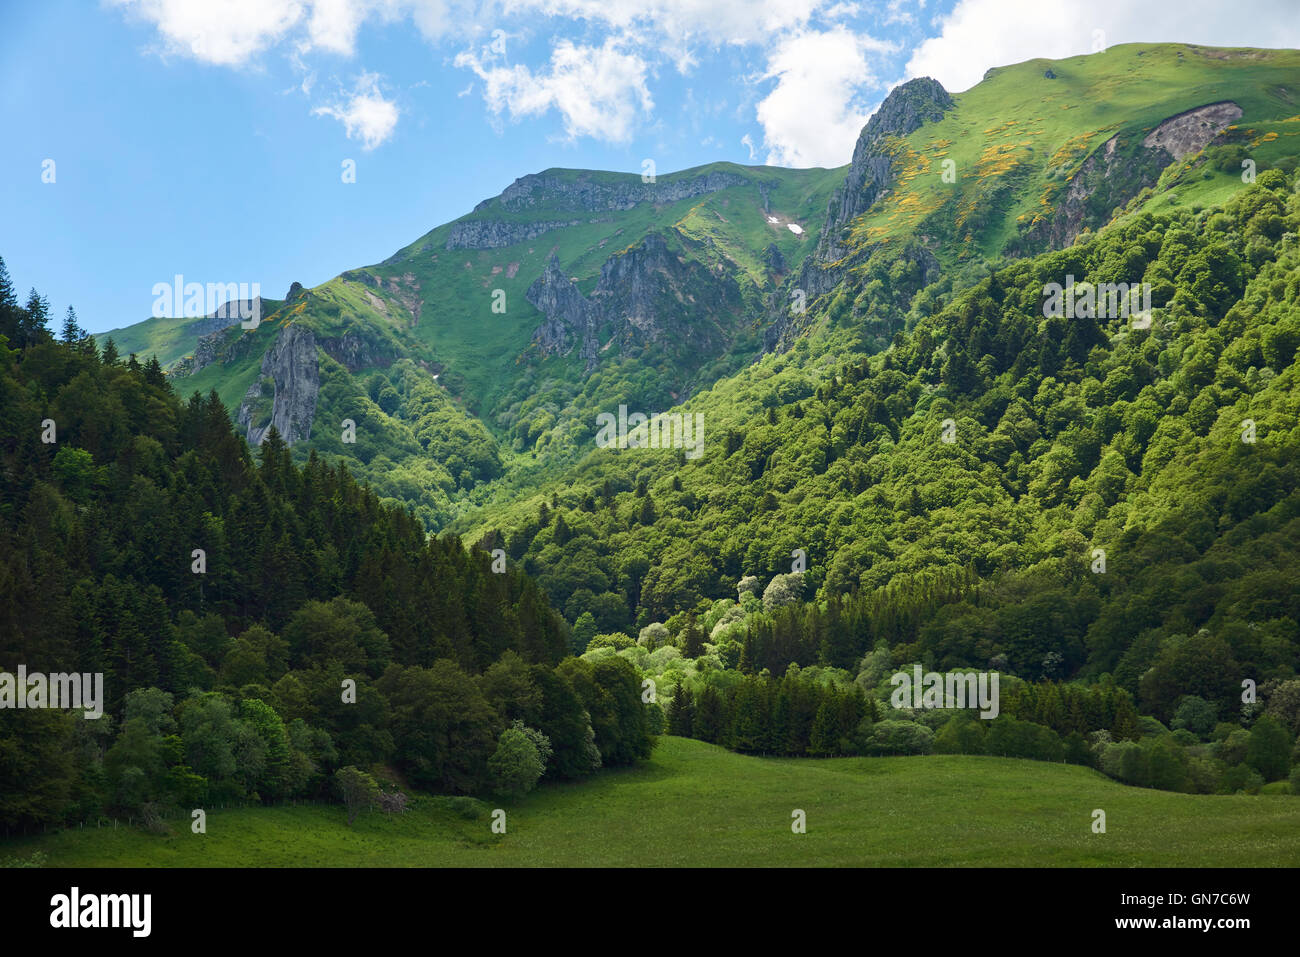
(905, 110)
(579, 195)
(1117, 171)
(773, 260)
(570, 318)
(647, 296)
(228, 314)
(355, 352)
(491, 234)
(284, 395)
(592, 195)
(1192, 131)
(907, 107)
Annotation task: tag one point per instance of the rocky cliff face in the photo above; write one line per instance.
(1192, 131)
(589, 195)
(1117, 171)
(570, 319)
(493, 234)
(647, 295)
(355, 352)
(870, 174)
(582, 194)
(229, 314)
(284, 395)
(907, 107)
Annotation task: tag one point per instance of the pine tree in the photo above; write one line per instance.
(31, 326)
(71, 331)
(153, 373)
(562, 533)
(681, 712)
(710, 721)
(747, 724)
(823, 742)
(692, 637)
(8, 297)
(9, 311)
(1126, 720)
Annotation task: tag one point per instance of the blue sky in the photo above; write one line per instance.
(208, 137)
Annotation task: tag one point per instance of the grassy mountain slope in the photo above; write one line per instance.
(1018, 138)
(1069, 436)
(476, 369)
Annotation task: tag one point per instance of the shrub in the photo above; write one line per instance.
(899, 737)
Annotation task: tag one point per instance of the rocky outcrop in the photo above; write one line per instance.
(907, 107)
(588, 194)
(583, 193)
(783, 333)
(493, 234)
(1192, 131)
(209, 349)
(228, 314)
(217, 335)
(773, 260)
(570, 318)
(633, 286)
(1118, 170)
(647, 296)
(870, 174)
(355, 352)
(284, 394)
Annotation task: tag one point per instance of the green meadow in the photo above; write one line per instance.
(694, 804)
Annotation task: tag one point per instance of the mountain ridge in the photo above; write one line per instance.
(702, 274)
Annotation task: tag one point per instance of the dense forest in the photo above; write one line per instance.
(259, 626)
(1117, 506)
(938, 475)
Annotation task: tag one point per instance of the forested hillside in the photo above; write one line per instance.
(910, 458)
(258, 625)
(1068, 435)
(1055, 499)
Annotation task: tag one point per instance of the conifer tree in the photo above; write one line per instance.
(710, 721)
(9, 311)
(32, 324)
(71, 331)
(8, 297)
(822, 742)
(1126, 720)
(681, 712)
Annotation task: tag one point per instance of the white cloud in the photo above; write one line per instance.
(598, 85)
(979, 34)
(711, 21)
(365, 113)
(231, 32)
(221, 32)
(812, 116)
(334, 24)
(597, 90)
(747, 141)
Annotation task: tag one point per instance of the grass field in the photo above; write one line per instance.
(694, 804)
